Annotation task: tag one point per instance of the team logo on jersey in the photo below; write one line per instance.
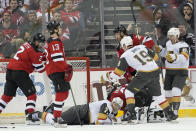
(184, 50)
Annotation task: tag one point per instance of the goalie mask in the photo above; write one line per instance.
(126, 43)
(39, 41)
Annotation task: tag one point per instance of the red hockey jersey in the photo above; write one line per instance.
(27, 59)
(55, 56)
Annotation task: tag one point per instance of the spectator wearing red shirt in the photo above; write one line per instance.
(18, 16)
(9, 29)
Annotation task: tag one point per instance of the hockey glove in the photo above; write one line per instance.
(68, 73)
(171, 57)
(158, 48)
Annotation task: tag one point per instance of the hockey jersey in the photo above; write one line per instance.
(27, 59)
(55, 56)
(181, 49)
(101, 112)
(139, 59)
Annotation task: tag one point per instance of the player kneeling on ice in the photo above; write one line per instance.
(142, 60)
(100, 112)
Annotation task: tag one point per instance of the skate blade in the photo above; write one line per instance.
(174, 121)
(32, 123)
(131, 122)
(56, 125)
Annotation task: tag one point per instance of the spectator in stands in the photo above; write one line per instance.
(3, 4)
(39, 12)
(188, 15)
(9, 29)
(161, 39)
(161, 21)
(7, 49)
(71, 18)
(17, 15)
(31, 26)
(65, 30)
(189, 38)
(33, 5)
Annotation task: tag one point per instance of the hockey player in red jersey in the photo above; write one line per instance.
(56, 68)
(120, 31)
(26, 60)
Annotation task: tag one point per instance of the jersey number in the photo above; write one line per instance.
(143, 57)
(55, 47)
(20, 51)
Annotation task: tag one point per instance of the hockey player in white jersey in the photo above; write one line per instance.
(177, 63)
(141, 59)
(100, 112)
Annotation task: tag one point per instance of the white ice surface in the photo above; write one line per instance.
(184, 124)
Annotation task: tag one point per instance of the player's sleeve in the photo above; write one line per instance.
(183, 56)
(121, 67)
(103, 114)
(153, 54)
(37, 62)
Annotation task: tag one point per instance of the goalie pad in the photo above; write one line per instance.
(68, 73)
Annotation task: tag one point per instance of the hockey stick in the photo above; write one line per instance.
(135, 22)
(75, 105)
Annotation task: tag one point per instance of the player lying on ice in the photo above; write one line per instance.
(100, 112)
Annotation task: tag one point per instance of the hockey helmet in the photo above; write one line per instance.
(174, 31)
(52, 26)
(126, 42)
(41, 42)
(39, 37)
(118, 101)
(119, 29)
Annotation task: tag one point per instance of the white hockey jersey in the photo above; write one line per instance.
(181, 49)
(94, 109)
(139, 59)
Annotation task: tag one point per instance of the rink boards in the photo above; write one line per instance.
(17, 105)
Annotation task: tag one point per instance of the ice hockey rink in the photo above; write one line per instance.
(182, 124)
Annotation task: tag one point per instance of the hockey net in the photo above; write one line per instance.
(80, 84)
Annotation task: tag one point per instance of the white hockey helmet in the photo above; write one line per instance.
(118, 101)
(174, 31)
(126, 42)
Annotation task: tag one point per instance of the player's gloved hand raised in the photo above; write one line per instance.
(171, 57)
(68, 73)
